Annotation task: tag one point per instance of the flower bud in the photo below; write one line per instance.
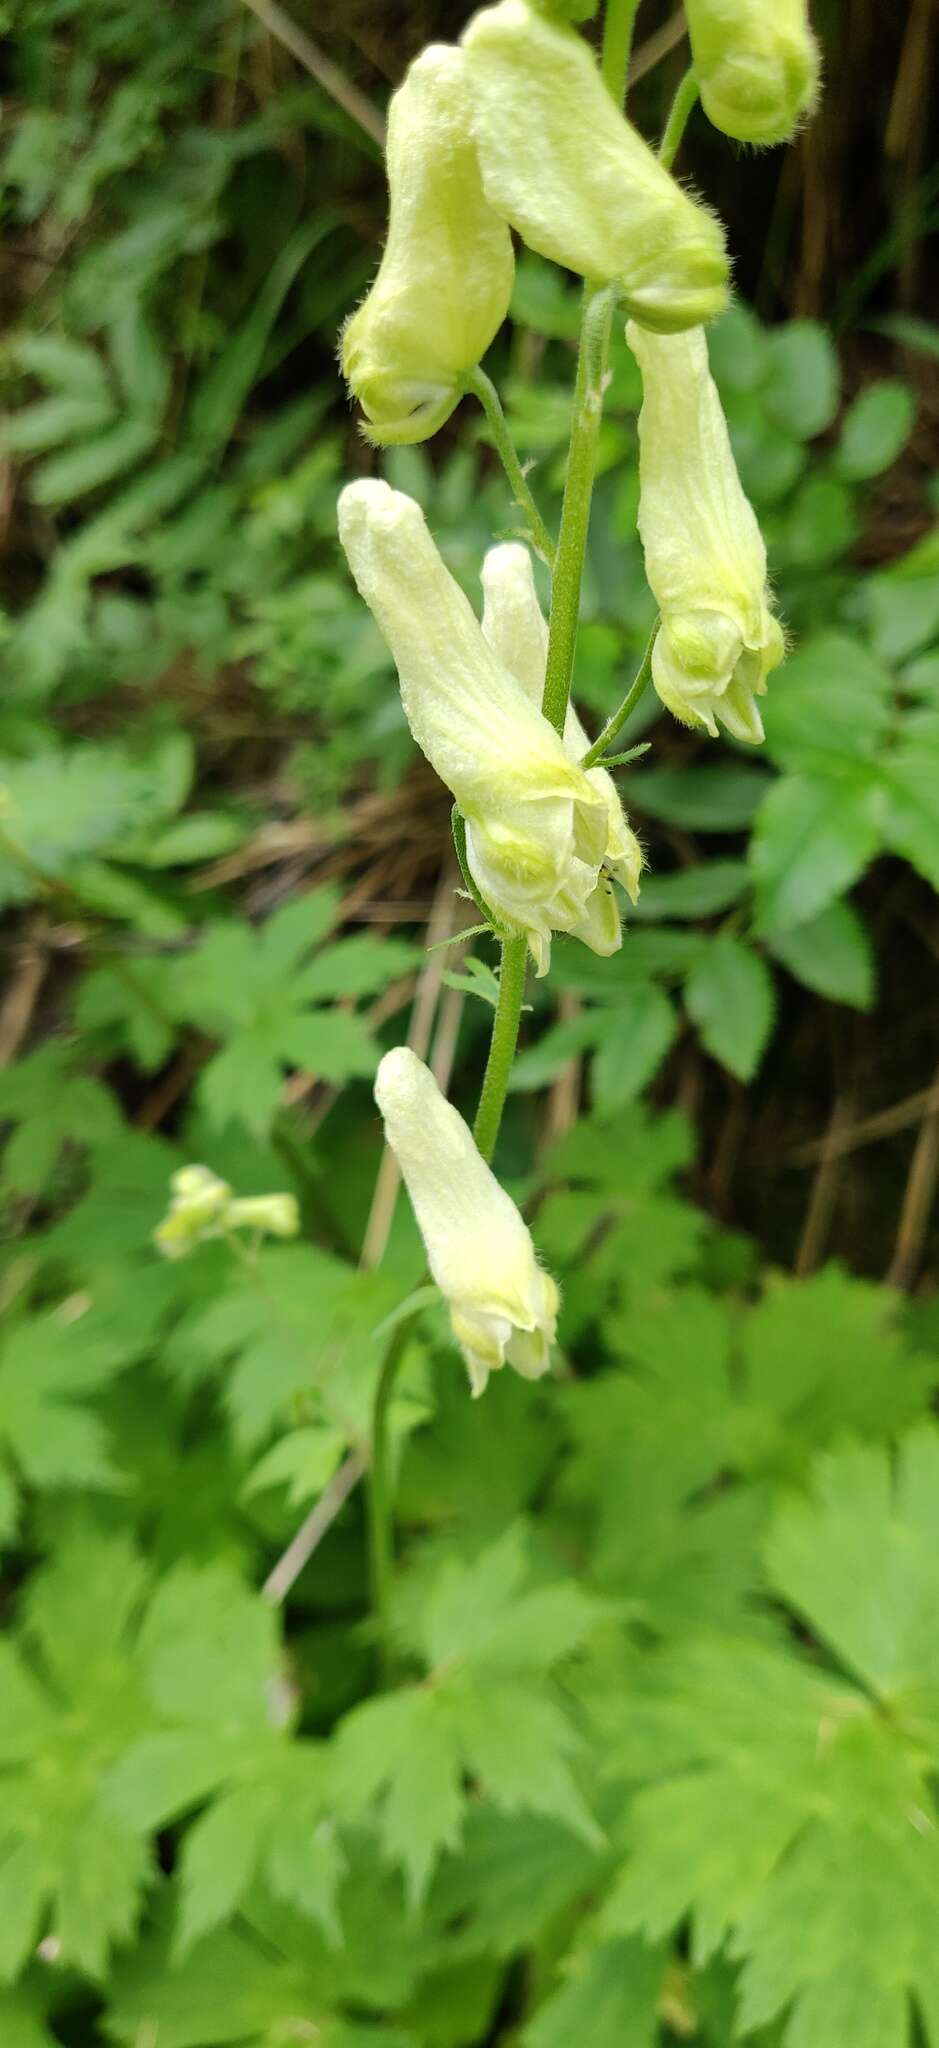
(272, 1215)
(445, 280)
(563, 166)
(757, 65)
(537, 827)
(503, 1308)
(203, 1207)
(198, 1209)
(704, 553)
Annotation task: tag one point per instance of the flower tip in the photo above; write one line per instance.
(399, 1075)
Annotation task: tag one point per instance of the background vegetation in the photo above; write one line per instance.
(660, 1766)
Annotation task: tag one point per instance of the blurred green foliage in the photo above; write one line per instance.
(662, 1763)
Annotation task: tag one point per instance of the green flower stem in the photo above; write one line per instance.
(631, 699)
(618, 28)
(578, 492)
(483, 388)
(501, 1045)
(683, 104)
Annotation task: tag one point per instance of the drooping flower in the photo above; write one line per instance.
(704, 552)
(561, 163)
(537, 826)
(443, 287)
(514, 625)
(503, 1308)
(757, 65)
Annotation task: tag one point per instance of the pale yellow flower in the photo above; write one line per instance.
(537, 826)
(503, 1308)
(514, 625)
(443, 288)
(563, 166)
(704, 553)
(756, 63)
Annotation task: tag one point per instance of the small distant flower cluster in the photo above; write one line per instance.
(203, 1207)
(514, 131)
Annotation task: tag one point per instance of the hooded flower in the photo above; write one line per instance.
(443, 288)
(516, 631)
(705, 558)
(561, 163)
(756, 64)
(503, 1308)
(537, 827)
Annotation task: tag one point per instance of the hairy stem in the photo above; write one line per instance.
(578, 493)
(683, 104)
(484, 389)
(501, 1045)
(631, 699)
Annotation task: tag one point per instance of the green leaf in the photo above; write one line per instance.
(52, 421)
(875, 429)
(812, 838)
(729, 994)
(95, 462)
(793, 1808)
(802, 391)
(832, 954)
(611, 1997)
(635, 1042)
(62, 1853)
(52, 1106)
(910, 816)
(832, 698)
(538, 1064)
(821, 524)
(224, 388)
(699, 891)
(721, 799)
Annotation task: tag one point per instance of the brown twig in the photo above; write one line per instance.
(919, 1195)
(16, 1010)
(824, 1195)
(885, 1123)
(657, 46)
(311, 1532)
(326, 73)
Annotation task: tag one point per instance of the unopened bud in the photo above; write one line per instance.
(757, 65)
